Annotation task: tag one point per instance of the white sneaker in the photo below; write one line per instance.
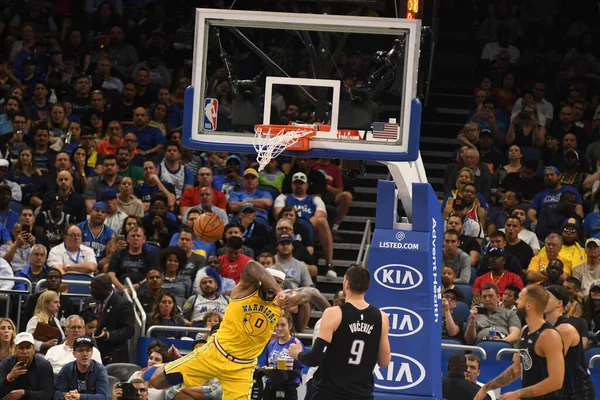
(331, 274)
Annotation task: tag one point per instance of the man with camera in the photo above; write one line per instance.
(25, 373)
(137, 389)
(63, 354)
(84, 378)
(489, 321)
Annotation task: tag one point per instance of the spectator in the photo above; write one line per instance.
(109, 179)
(514, 245)
(525, 234)
(336, 195)
(44, 155)
(573, 285)
(156, 355)
(191, 197)
(233, 261)
(154, 282)
(555, 270)
(551, 221)
(468, 244)
(122, 109)
(153, 184)
(109, 83)
(82, 106)
(203, 249)
(549, 198)
(300, 251)
(482, 175)
(146, 94)
(158, 226)
(565, 125)
(312, 209)
(170, 169)
(448, 277)
(172, 260)
(8, 332)
(527, 131)
(73, 257)
(536, 272)
(524, 181)
(544, 107)
(47, 306)
(8, 216)
(271, 175)
(11, 108)
(206, 195)
(33, 377)
(302, 232)
(114, 216)
(451, 323)
(98, 236)
(475, 203)
(17, 253)
(150, 139)
(498, 275)
(234, 229)
(227, 284)
(132, 262)
(455, 386)
(284, 337)
(128, 204)
(126, 169)
(115, 140)
(53, 283)
(194, 261)
(27, 176)
(115, 321)
(574, 171)
(490, 118)
(515, 156)
(588, 271)
(255, 233)
(207, 286)
(229, 180)
(260, 199)
(166, 313)
(512, 264)
(571, 249)
(95, 382)
(123, 54)
(317, 184)
(266, 259)
(62, 354)
(497, 219)
(510, 296)
(473, 372)
(36, 269)
(505, 322)
(455, 258)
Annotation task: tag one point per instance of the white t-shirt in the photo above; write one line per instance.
(59, 255)
(6, 272)
(61, 354)
(545, 109)
(528, 237)
(493, 49)
(586, 276)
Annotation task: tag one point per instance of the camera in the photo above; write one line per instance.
(26, 228)
(525, 115)
(482, 311)
(129, 391)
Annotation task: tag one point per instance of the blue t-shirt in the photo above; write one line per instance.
(148, 138)
(209, 248)
(5, 125)
(550, 198)
(591, 224)
(98, 244)
(305, 208)
(275, 349)
(259, 194)
(144, 192)
(9, 219)
(4, 234)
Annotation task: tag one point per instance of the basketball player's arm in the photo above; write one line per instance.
(385, 355)
(510, 375)
(254, 275)
(550, 346)
(305, 295)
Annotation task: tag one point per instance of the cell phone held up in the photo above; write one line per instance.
(26, 228)
(525, 115)
(482, 311)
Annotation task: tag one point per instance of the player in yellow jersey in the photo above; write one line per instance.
(230, 355)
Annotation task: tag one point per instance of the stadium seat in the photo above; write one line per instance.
(122, 371)
(589, 353)
(473, 276)
(467, 291)
(463, 310)
(273, 191)
(309, 227)
(112, 381)
(492, 347)
(446, 353)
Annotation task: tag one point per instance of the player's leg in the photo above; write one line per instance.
(302, 317)
(192, 369)
(237, 381)
(159, 379)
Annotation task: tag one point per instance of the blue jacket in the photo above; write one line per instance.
(25, 273)
(97, 382)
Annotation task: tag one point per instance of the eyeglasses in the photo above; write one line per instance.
(81, 351)
(205, 174)
(569, 230)
(75, 235)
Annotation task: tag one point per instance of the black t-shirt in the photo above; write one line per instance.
(468, 244)
(134, 266)
(81, 381)
(522, 252)
(82, 107)
(316, 183)
(458, 320)
(194, 263)
(528, 190)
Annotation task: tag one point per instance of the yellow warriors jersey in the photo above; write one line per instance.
(247, 326)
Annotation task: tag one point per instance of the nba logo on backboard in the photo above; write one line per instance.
(211, 110)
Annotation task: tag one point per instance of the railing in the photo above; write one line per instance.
(140, 316)
(501, 352)
(82, 296)
(452, 346)
(593, 360)
(154, 328)
(363, 252)
(19, 293)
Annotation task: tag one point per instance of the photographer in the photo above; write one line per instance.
(84, 378)
(137, 389)
(490, 321)
(525, 130)
(17, 254)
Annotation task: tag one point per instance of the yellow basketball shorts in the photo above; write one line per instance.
(207, 362)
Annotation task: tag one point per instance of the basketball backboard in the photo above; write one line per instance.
(355, 78)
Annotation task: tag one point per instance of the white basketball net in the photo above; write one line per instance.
(269, 146)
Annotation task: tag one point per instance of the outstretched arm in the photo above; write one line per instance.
(304, 295)
(254, 275)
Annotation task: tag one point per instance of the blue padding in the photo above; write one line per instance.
(492, 347)
(589, 353)
(381, 396)
(144, 341)
(492, 368)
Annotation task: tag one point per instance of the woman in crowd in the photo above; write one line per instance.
(515, 154)
(171, 261)
(82, 172)
(58, 122)
(506, 95)
(25, 173)
(302, 232)
(478, 208)
(128, 203)
(8, 332)
(156, 355)
(468, 244)
(159, 118)
(128, 224)
(76, 47)
(459, 164)
(46, 308)
(527, 131)
(174, 113)
(97, 125)
(277, 348)
(72, 143)
(166, 313)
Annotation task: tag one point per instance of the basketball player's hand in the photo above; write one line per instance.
(480, 395)
(510, 396)
(295, 349)
(283, 300)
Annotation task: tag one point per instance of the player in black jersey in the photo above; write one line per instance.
(578, 383)
(540, 360)
(353, 338)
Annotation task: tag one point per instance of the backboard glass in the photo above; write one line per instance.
(355, 77)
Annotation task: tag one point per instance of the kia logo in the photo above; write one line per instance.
(403, 322)
(403, 373)
(398, 277)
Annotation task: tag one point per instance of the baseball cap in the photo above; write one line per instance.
(572, 222)
(285, 237)
(457, 292)
(552, 169)
(572, 152)
(300, 176)
(250, 171)
(246, 206)
(56, 198)
(496, 251)
(486, 132)
(100, 204)
(108, 194)
(560, 293)
(24, 337)
(595, 284)
(4, 162)
(83, 341)
(592, 240)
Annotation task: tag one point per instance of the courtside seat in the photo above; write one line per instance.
(122, 371)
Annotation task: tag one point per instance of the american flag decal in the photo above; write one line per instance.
(385, 130)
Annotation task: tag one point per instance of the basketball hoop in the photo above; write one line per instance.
(271, 140)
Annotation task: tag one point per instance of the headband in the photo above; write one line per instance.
(276, 273)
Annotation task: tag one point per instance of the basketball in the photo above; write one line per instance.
(208, 227)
